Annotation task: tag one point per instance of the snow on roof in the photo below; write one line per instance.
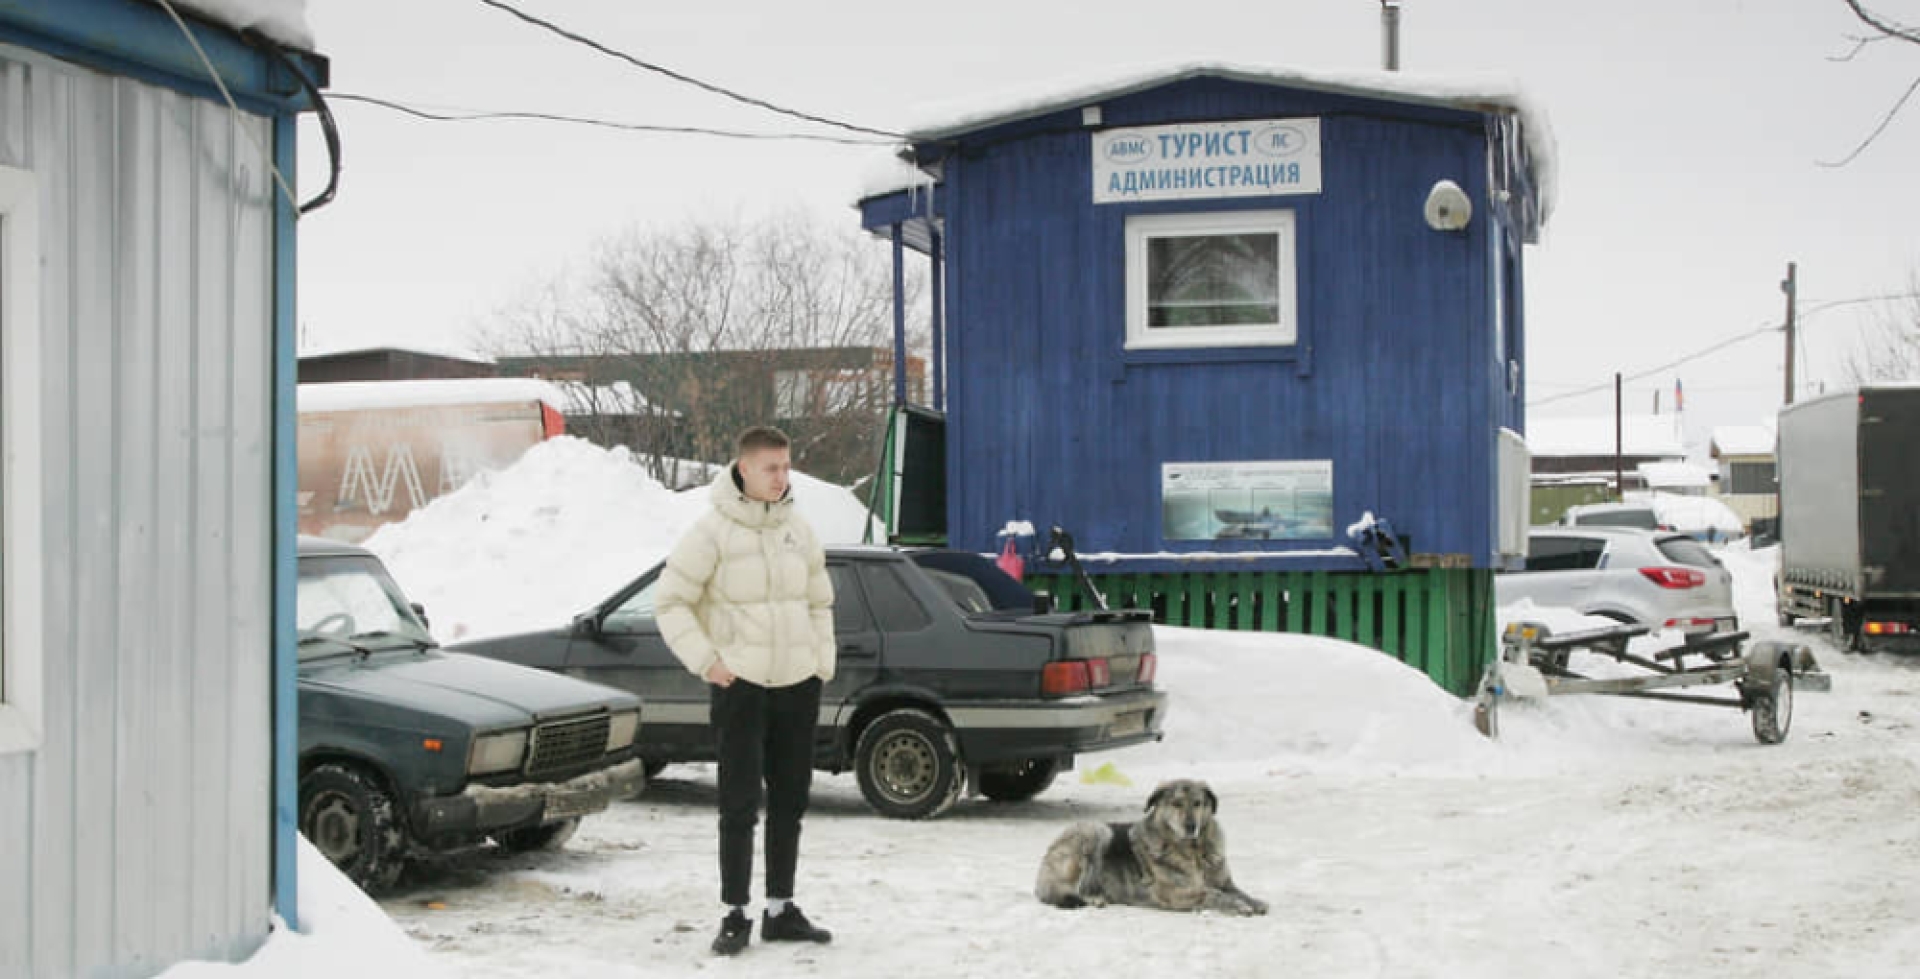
(1743, 440)
(282, 20)
(351, 395)
(453, 353)
(1645, 436)
(1483, 92)
(890, 174)
(1675, 475)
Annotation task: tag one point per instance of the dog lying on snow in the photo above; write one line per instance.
(1174, 859)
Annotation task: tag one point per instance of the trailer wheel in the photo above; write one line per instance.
(1842, 628)
(1772, 708)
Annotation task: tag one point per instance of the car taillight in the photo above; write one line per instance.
(1674, 577)
(1149, 665)
(1888, 628)
(1099, 673)
(1068, 676)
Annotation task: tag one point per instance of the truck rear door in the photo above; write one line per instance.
(1890, 492)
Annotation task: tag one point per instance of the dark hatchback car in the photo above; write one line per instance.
(407, 750)
(947, 675)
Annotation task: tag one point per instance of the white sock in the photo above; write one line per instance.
(776, 906)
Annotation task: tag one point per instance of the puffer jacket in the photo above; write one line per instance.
(747, 586)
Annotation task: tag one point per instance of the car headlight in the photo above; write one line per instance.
(621, 732)
(502, 752)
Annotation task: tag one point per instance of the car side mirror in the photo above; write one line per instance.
(421, 611)
(586, 625)
(1042, 603)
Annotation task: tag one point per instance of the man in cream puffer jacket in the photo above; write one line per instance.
(746, 604)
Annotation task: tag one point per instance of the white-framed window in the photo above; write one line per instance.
(21, 653)
(1216, 279)
(790, 394)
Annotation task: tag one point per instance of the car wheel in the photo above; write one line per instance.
(1772, 708)
(551, 836)
(653, 767)
(1019, 781)
(908, 765)
(347, 813)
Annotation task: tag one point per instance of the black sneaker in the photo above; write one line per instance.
(735, 932)
(791, 926)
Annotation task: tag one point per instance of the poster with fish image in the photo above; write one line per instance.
(1272, 500)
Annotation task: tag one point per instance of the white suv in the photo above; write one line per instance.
(1661, 580)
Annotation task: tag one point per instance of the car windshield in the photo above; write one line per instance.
(348, 601)
(1640, 519)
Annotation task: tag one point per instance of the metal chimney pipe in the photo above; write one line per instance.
(1390, 34)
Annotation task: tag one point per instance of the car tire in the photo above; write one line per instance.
(908, 764)
(549, 836)
(1772, 708)
(1018, 781)
(652, 767)
(347, 813)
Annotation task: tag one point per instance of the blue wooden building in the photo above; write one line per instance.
(147, 661)
(1209, 319)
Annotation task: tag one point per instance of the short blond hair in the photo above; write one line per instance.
(761, 437)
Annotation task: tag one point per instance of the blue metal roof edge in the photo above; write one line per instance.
(137, 39)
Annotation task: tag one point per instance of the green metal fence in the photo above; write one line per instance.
(1437, 620)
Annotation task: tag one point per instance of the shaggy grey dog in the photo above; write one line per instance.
(1174, 859)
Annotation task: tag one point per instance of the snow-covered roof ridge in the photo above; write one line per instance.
(1743, 440)
(351, 395)
(1647, 436)
(1479, 92)
(282, 20)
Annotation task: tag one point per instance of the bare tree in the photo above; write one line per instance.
(1890, 348)
(1880, 28)
(679, 337)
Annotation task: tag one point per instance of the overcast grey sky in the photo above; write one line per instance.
(1688, 131)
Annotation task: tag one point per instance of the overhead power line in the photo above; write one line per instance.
(445, 114)
(685, 78)
(1669, 365)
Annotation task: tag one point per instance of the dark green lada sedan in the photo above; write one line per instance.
(407, 750)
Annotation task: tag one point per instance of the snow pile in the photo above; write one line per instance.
(1253, 704)
(343, 933)
(563, 528)
(283, 20)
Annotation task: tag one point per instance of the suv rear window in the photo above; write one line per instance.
(1687, 551)
(1641, 519)
(1564, 553)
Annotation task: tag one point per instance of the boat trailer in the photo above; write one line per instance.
(1535, 663)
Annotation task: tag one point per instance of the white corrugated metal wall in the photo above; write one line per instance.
(139, 833)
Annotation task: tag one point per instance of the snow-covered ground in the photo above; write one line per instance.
(1598, 837)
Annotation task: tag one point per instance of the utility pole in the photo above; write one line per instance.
(1619, 445)
(1390, 34)
(1790, 285)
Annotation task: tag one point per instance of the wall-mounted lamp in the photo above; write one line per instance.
(1448, 208)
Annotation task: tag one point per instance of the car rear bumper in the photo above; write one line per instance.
(486, 808)
(1006, 731)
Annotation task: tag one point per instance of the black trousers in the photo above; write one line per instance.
(765, 737)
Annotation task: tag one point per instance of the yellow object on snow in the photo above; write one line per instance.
(1104, 775)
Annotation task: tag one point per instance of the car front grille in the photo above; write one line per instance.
(560, 746)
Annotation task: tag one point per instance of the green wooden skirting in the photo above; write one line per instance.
(1436, 620)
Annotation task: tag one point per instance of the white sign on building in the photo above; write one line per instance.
(1249, 158)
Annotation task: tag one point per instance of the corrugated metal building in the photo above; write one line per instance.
(147, 372)
(1210, 317)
